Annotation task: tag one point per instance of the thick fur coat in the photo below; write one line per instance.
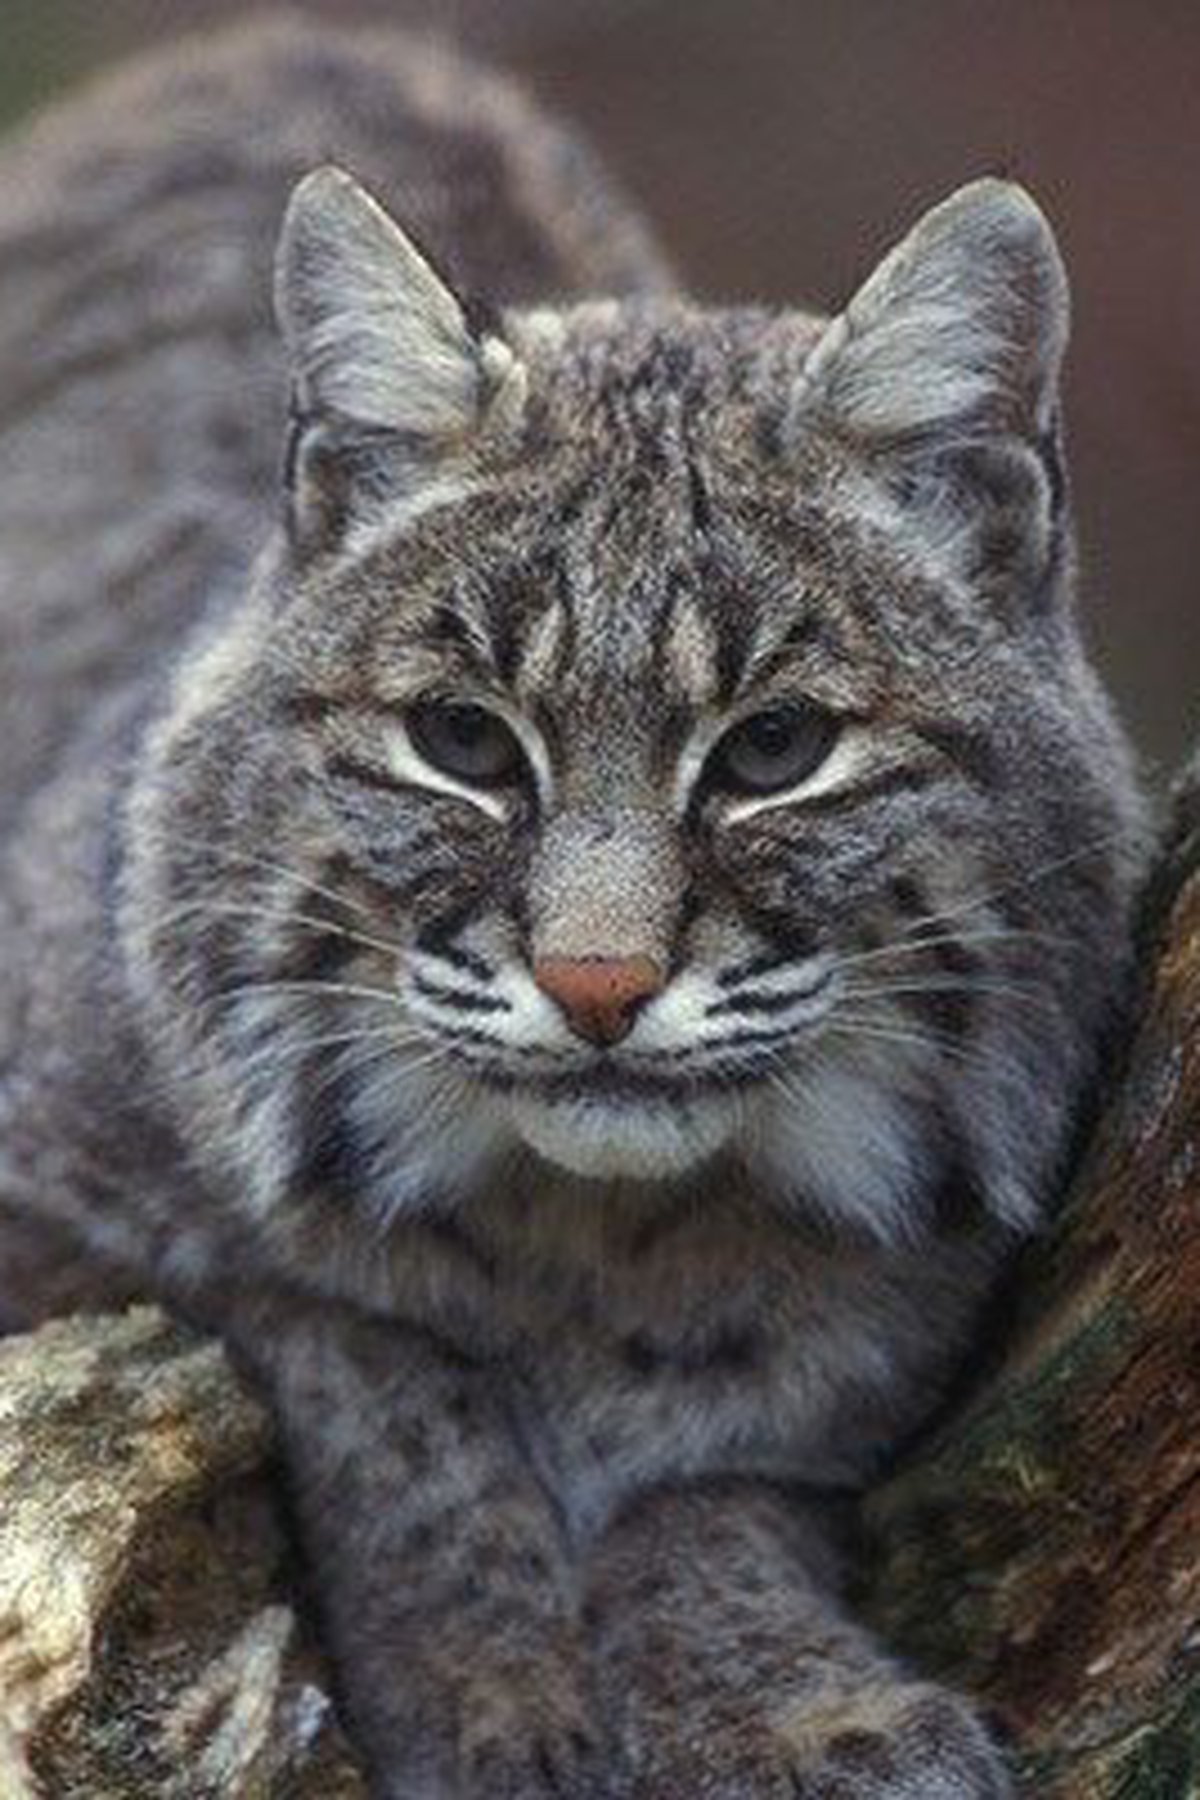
(565, 876)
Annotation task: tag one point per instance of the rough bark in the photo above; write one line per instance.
(1042, 1549)
(146, 1646)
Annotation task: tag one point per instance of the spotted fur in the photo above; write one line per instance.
(574, 1347)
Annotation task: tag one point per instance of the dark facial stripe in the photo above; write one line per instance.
(730, 1351)
(774, 923)
(969, 750)
(908, 898)
(702, 517)
(738, 1040)
(677, 586)
(432, 939)
(725, 587)
(947, 1012)
(315, 955)
(471, 1034)
(958, 1199)
(329, 1157)
(448, 628)
(309, 707)
(759, 1000)
(457, 999)
(949, 1009)
(315, 706)
(232, 951)
(810, 631)
(351, 768)
(762, 964)
(505, 604)
(454, 1237)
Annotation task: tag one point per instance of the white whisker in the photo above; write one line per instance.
(232, 859)
(858, 1026)
(236, 910)
(288, 1048)
(1031, 877)
(966, 987)
(911, 945)
(271, 989)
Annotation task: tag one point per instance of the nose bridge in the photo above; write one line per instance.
(607, 885)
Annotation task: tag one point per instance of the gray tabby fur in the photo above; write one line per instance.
(576, 1354)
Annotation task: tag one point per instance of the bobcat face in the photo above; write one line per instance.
(623, 975)
(649, 743)
(681, 788)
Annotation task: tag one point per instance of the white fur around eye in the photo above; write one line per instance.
(534, 746)
(844, 762)
(693, 758)
(407, 764)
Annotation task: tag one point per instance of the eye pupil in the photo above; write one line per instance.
(465, 741)
(466, 723)
(771, 734)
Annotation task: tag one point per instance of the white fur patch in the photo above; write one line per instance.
(623, 1140)
(844, 1138)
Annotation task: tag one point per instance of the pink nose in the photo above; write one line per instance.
(599, 994)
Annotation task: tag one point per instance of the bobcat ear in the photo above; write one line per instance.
(385, 367)
(959, 332)
(943, 374)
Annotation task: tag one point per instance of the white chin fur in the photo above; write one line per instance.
(624, 1142)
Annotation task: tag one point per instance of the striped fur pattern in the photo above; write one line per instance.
(573, 1345)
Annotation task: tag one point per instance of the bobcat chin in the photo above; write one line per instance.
(574, 927)
(624, 1141)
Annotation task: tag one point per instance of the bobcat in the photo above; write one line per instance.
(581, 954)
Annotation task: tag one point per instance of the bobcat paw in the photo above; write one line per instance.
(544, 1765)
(532, 1744)
(891, 1743)
(885, 1742)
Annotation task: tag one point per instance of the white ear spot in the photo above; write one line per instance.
(373, 334)
(962, 326)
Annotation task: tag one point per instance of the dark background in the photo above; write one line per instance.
(780, 145)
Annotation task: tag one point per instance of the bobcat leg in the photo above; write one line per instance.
(729, 1672)
(447, 1598)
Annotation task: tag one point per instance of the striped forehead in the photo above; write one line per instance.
(610, 615)
(594, 594)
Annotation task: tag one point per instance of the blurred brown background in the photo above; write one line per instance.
(781, 144)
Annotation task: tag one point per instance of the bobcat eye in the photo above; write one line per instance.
(772, 750)
(466, 741)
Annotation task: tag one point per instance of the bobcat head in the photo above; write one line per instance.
(655, 736)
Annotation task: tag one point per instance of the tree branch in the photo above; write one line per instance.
(1044, 1549)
